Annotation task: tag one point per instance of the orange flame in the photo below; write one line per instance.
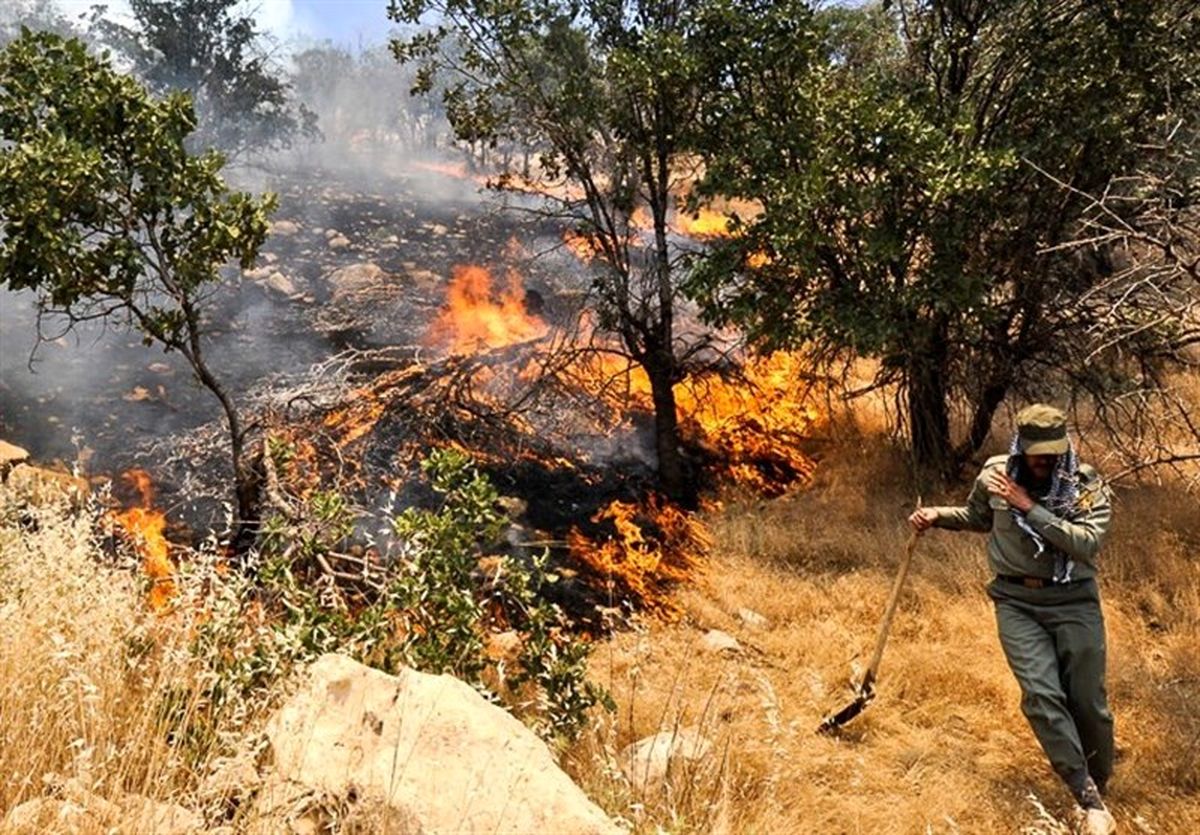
(474, 320)
(145, 527)
(707, 223)
(584, 247)
(653, 545)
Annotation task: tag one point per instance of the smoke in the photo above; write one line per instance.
(384, 186)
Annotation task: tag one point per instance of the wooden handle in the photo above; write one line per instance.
(890, 612)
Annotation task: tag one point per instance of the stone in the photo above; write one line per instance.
(284, 227)
(648, 761)
(231, 779)
(39, 486)
(10, 456)
(49, 814)
(752, 619)
(353, 279)
(79, 810)
(281, 284)
(715, 640)
(432, 752)
(339, 242)
(424, 279)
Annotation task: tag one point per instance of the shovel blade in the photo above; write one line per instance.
(837, 720)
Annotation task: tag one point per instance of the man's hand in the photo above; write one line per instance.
(923, 519)
(999, 484)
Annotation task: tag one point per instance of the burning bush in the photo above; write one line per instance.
(429, 603)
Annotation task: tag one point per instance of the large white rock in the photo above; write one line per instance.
(431, 749)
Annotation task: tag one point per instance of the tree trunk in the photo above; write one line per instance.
(245, 482)
(981, 421)
(928, 410)
(672, 468)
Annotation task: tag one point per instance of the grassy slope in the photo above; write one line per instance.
(944, 748)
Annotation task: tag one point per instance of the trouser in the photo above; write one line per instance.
(1053, 638)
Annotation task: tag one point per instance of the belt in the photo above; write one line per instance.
(1028, 582)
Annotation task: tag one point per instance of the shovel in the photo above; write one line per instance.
(865, 691)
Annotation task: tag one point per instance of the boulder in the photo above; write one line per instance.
(648, 761)
(752, 619)
(76, 809)
(428, 750)
(281, 284)
(338, 242)
(351, 280)
(10, 456)
(39, 486)
(715, 640)
(284, 227)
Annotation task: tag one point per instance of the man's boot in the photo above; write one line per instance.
(1097, 820)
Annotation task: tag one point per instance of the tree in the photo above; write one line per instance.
(606, 92)
(213, 50)
(106, 215)
(908, 208)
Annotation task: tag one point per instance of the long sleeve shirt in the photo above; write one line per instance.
(1011, 550)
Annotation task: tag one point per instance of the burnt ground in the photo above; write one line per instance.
(99, 397)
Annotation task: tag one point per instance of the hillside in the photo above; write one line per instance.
(944, 748)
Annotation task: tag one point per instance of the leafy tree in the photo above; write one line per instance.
(106, 215)
(606, 92)
(920, 178)
(213, 50)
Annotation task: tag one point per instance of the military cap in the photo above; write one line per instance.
(1042, 430)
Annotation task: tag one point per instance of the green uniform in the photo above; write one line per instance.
(1053, 637)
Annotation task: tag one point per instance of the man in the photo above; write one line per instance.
(1048, 516)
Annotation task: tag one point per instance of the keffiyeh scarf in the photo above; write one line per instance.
(1060, 500)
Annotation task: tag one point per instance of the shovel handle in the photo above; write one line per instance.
(889, 613)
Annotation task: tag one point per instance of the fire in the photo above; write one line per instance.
(754, 424)
(476, 318)
(145, 527)
(652, 545)
(758, 260)
(708, 223)
(584, 247)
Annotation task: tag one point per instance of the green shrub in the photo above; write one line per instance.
(432, 610)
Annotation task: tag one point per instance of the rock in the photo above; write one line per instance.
(257, 273)
(285, 227)
(353, 279)
(81, 811)
(10, 456)
(338, 242)
(41, 486)
(231, 779)
(429, 749)
(48, 814)
(281, 284)
(715, 640)
(424, 279)
(648, 761)
(753, 619)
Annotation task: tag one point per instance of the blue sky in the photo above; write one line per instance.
(348, 23)
(345, 22)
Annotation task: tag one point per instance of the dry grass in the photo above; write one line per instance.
(944, 748)
(90, 678)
